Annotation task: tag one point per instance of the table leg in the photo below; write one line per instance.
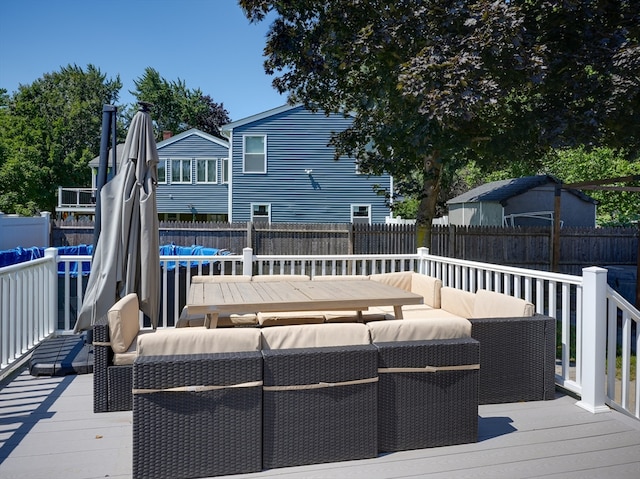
(211, 320)
(397, 311)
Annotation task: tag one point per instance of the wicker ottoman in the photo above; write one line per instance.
(320, 405)
(517, 358)
(188, 432)
(427, 393)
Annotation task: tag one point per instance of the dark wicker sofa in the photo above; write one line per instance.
(199, 415)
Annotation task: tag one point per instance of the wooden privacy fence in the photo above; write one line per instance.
(526, 247)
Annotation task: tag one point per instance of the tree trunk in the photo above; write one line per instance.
(428, 200)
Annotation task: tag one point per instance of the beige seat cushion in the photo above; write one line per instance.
(124, 323)
(199, 341)
(343, 277)
(419, 329)
(457, 301)
(489, 304)
(283, 318)
(280, 277)
(187, 320)
(228, 278)
(129, 356)
(239, 319)
(407, 310)
(315, 336)
(373, 314)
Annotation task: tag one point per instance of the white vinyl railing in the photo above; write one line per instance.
(28, 307)
(597, 326)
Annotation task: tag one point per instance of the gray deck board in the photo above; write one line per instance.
(48, 430)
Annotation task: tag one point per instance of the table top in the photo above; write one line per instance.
(271, 296)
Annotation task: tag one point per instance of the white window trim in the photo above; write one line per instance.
(182, 159)
(355, 206)
(166, 171)
(244, 142)
(268, 205)
(208, 181)
(225, 164)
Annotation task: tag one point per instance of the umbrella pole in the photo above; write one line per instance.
(108, 113)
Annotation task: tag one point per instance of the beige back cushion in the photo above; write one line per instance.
(199, 341)
(315, 335)
(399, 280)
(427, 287)
(489, 304)
(457, 301)
(221, 279)
(280, 277)
(419, 329)
(124, 323)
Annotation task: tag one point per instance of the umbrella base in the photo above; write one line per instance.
(63, 355)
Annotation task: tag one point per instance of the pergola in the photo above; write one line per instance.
(602, 185)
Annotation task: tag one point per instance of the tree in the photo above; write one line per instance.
(49, 130)
(435, 84)
(177, 108)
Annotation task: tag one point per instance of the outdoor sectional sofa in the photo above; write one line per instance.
(517, 346)
(211, 402)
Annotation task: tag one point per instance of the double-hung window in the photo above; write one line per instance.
(207, 170)
(162, 171)
(181, 170)
(261, 212)
(225, 170)
(361, 214)
(254, 154)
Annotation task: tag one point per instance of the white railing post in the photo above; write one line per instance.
(247, 261)
(594, 339)
(52, 289)
(422, 254)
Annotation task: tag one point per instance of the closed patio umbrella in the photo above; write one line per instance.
(127, 255)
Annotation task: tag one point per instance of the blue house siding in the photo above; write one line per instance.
(296, 142)
(193, 198)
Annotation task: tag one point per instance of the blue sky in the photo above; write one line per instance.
(207, 43)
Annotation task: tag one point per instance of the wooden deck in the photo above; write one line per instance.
(48, 430)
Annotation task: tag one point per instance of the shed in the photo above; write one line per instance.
(525, 201)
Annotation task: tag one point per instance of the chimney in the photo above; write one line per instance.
(167, 134)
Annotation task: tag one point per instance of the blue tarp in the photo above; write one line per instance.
(174, 250)
(20, 255)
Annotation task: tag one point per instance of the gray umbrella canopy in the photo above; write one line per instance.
(127, 256)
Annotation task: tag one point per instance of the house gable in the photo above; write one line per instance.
(301, 181)
(188, 195)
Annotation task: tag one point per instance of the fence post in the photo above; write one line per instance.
(594, 339)
(452, 242)
(247, 262)
(249, 234)
(52, 290)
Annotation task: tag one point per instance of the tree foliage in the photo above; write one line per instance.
(49, 130)
(434, 84)
(615, 208)
(177, 108)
